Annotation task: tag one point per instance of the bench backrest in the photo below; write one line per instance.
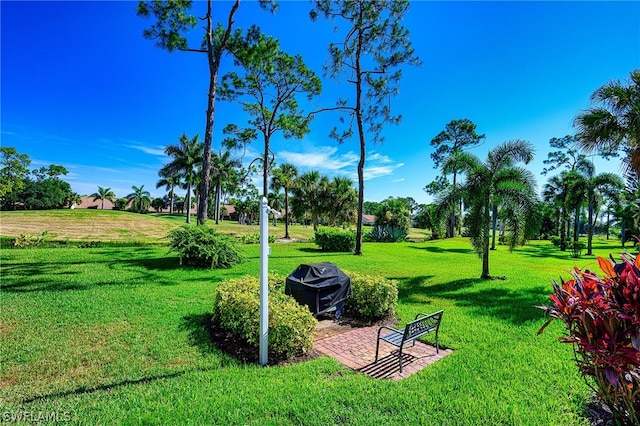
(422, 325)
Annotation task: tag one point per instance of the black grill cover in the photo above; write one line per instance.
(320, 286)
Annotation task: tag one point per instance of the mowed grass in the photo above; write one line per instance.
(117, 335)
(83, 225)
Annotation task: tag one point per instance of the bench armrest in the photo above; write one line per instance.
(388, 328)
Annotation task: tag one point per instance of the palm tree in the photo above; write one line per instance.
(344, 199)
(73, 198)
(139, 199)
(607, 183)
(285, 177)
(103, 194)
(615, 123)
(276, 200)
(170, 181)
(187, 156)
(310, 196)
(497, 180)
(158, 204)
(223, 167)
(556, 192)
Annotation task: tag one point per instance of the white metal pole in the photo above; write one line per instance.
(264, 282)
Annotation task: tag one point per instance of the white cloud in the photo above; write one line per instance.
(328, 160)
(157, 151)
(398, 180)
(376, 171)
(323, 158)
(377, 157)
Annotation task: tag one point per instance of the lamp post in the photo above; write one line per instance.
(265, 251)
(264, 281)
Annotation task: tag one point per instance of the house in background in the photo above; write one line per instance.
(368, 219)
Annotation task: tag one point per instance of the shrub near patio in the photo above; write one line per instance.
(236, 308)
(335, 239)
(372, 298)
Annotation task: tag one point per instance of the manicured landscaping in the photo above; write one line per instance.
(117, 335)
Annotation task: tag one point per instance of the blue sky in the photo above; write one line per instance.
(81, 87)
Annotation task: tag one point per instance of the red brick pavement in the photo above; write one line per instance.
(357, 350)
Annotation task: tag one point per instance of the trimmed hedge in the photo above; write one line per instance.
(372, 297)
(236, 307)
(335, 239)
(200, 246)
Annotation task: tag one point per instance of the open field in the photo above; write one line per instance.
(117, 335)
(117, 226)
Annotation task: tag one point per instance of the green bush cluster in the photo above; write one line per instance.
(576, 248)
(255, 238)
(24, 241)
(201, 246)
(555, 240)
(236, 307)
(386, 234)
(335, 239)
(372, 297)
(120, 204)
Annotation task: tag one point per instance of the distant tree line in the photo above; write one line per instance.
(38, 189)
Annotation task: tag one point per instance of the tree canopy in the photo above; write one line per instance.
(369, 57)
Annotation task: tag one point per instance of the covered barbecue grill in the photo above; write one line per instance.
(320, 286)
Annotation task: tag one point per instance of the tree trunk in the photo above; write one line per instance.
(213, 57)
(590, 225)
(576, 225)
(607, 227)
(494, 222)
(358, 111)
(563, 230)
(265, 168)
(485, 243)
(286, 213)
(217, 201)
(171, 206)
(452, 219)
(188, 202)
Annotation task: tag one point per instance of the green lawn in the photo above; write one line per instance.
(115, 335)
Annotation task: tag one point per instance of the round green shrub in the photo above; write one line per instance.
(201, 246)
(335, 239)
(236, 307)
(372, 297)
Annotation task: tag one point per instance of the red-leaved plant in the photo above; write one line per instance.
(602, 318)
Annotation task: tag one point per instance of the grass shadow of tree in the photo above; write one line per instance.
(481, 297)
(156, 264)
(199, 328)
(436, 249)
(544, 251)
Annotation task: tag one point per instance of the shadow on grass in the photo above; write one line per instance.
(53, 276)
(157, 264)
(545, 251)
(111, 386)
(435, 249)
(481, 297)
(199, 328)
(313, 252)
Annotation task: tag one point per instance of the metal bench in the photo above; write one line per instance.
(422, 325)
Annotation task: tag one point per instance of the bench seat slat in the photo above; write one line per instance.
(420, 326)
(393, 338)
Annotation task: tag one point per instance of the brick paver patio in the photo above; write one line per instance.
(357, 350)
